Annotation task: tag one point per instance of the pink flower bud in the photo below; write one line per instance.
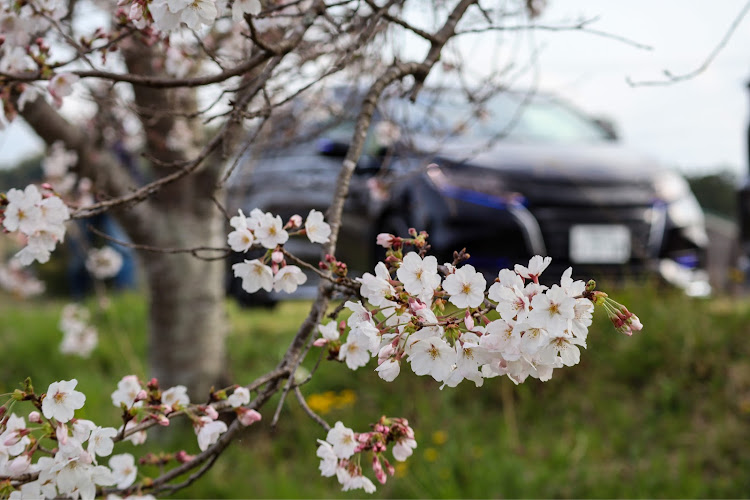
(85, 458)
(635, 323)
(183, 457)
(19, 465)
(142, 395)
(247, 416)
(378, 469)
(295, 220)
(384, 240)
(61, 433)
(416, 305)
(468, 321)
(320, 342)
(35, 417)
(211, 412)
(391, 470)
(47, 186)
(277, 257)
(162, 420)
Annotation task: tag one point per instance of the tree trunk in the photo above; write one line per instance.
(187, 318)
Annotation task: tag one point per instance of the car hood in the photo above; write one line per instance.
(555, 175)
(558, 163)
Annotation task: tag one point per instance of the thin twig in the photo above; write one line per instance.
(309, 411)
(149, 248)
(672, 78)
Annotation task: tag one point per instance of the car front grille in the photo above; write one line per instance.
(556, 223)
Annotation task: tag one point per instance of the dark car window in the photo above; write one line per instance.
(506, 116)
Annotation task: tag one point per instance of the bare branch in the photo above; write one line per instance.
(582, 26)
(672, 78)
(195, 251)
(309, 411)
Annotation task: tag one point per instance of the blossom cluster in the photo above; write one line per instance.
(39, 217)
(73, 469)
(56, 167)
(103, 262)
(518, 327)
(79, 336)
(270, 232)
(18, 281)
(342, 451)
(143, 403)
(170, 15)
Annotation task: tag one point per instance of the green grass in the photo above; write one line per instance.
(665, 413)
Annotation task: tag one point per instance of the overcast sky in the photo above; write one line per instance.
(697, 125)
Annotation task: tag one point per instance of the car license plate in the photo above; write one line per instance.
(599, 244)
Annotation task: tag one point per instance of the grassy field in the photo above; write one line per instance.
(662, 414)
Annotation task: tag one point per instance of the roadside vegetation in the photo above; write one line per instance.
(663, 414)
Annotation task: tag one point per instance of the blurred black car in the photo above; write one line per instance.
(506, 177)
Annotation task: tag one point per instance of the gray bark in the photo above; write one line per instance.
(187, 319)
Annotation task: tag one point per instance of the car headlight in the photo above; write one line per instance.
(471, 186)
(682, 207)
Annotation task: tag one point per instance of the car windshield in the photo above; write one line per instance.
(506, 116)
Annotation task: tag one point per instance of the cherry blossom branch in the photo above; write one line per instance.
(582, 26)
(317, 418)
(195, 251)
(676, 78)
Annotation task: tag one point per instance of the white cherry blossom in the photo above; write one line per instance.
(127, 390)
(175, 396)
(355, 350)
(11, 441)
(209, 431)
(376, 288)
(403, 448)
(537, 265)
(552, 310)
(240, 397)
(466, 287)
(124, 469)
(288, 278)
(241, 240)
(432, 356)
(61, 85)
(389, 369)
(100, 441)
(564, 346)
(82, 429)
(242, 7)
(342, 440)
(359, 313)
(270, 231)
(328, 459)
(419, 276)
(329, 331)
(62, 400)
(255, 275)
(23, 212)
(104, 262)
(317, 230)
